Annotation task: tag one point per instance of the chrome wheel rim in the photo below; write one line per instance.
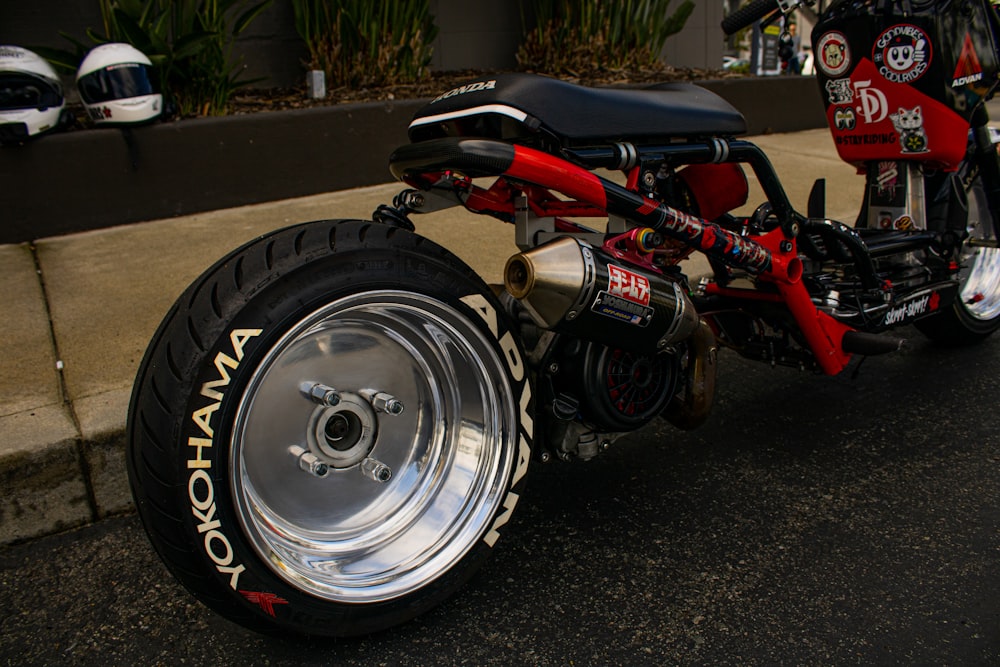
(980, 275)
(311, 510)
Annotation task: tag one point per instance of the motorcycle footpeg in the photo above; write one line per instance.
(868, 344)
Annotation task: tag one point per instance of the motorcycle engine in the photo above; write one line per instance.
(615, 390)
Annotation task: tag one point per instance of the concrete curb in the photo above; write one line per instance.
(62, 466)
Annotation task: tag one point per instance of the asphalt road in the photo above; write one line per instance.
(813, 520)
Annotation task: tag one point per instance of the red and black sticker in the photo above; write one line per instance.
(969, 69)
(626, 299)
(834, 53)
(902, 53)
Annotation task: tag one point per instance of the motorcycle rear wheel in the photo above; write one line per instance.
(330, 430)
(976, 311)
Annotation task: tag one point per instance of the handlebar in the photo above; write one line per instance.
(745, 16)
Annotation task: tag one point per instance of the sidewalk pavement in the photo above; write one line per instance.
(80, 309)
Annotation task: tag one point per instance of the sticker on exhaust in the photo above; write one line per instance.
(626, 298)
(622, 310)
(628, 285)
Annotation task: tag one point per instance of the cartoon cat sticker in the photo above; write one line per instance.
(909, 124)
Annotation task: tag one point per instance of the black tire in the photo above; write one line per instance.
(263, 493)
(976, 312)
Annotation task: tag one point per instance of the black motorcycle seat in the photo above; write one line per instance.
(580, 114)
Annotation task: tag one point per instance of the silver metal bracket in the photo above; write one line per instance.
(528, 226)
(424, 201)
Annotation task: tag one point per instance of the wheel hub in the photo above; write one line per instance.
(358, 495)
(343, 435)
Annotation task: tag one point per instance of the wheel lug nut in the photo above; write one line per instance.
(387, 403)
(308, 461)
(320, 393)
(376, 470)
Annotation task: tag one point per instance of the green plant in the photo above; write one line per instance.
(577, 36)
(191, 41)
(367, 42)
(188, 41)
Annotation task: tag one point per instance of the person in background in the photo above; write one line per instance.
(788, 50)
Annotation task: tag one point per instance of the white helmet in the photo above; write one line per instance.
(116, 86)
(31, 97)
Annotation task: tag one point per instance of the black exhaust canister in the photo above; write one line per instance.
(571, 287)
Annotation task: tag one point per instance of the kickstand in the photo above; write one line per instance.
(857, 368)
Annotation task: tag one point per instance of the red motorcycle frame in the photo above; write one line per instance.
(771, 256)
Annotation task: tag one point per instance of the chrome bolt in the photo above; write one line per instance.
(376, 470)
(320, 393)
(414, 200)
(553, 368)
(308, 461)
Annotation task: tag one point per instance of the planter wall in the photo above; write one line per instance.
(90, 179)
(99, 178)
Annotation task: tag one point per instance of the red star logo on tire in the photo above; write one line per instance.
(265, 601)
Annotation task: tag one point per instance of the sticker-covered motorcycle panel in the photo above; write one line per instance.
(888, 121)
(903, 86)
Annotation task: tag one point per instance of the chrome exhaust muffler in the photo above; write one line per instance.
(571, 287)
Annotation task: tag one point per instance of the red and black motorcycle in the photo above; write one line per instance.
(331, 428)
